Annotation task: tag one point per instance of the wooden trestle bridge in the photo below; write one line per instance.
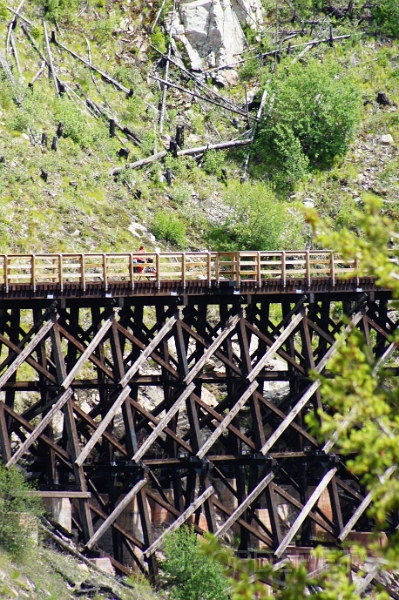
(178, 395)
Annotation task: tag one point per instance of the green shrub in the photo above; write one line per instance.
(76, 125)
(214, 161)
(189, 574)
(158, 40)
(166, 226)
(315, 113)
(61, 10)
(255, 220)
(386, 17)
(17, 510)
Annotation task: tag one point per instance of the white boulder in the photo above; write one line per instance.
(211, 31)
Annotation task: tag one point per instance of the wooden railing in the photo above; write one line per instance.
(60, 270)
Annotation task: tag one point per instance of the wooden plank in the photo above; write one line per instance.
(149, 349)
(28, 350)
(88, 351)
(115, 513)
(54, 494)
(244, 505)
(64, 332)
(142, 346)
(315, 385)
(316, 518)
(293, 530)
(60, 451)
(276, 345)
(5, 445)
(221, 428)
(92, 423)
(213, 414)
(162, 424)
(231, 324)
(145, 413)
(364, 505)
(59, 403)
(102, 426)
(180, 520)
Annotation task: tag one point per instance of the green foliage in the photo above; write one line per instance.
(18, 512)
(214, 161)
(246, 578)
(249, 69)
(61, 10)
(255, 220)
(386, 17)
(169, 227)
(190, 574)
(76, 126)
(315, 113)
(158, 40)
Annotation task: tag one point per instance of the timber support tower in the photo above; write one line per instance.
(221, 442)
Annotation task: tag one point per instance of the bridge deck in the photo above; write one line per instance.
(197, 273)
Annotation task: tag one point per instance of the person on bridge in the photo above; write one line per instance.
(141, 250)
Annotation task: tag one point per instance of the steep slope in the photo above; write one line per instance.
(82, 96)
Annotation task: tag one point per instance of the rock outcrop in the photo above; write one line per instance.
(212, 32)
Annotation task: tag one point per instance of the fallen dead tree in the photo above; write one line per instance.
(189, 151)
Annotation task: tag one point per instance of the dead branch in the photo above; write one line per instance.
(103, 75)
(157, 17)
(38, 74)
(94, 106)
(281, 50)
(181, 89)
(196, 79)
(10, 77)
(12, 25)
(254, 130)
(165, 87)
(34, 45)
(189, 151)
(19, 16)
(50, 59)
(16, 56)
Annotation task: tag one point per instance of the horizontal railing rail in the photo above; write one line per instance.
(127, 269)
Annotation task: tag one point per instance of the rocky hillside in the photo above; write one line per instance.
(86, 120)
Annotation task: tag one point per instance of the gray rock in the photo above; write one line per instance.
(211, 32)
(386, 139)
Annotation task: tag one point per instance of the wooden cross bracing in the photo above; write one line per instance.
(158, 414)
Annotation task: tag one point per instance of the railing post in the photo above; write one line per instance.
(82, 272)
(238, 270)
(283, 269)
(357, 270)
(308, 267)
(158, 266)
(131, 271)
(332, 269)
(105, 271)
(33, 272)
(60, 274)
(258, 271)
(6, 279)
(217, 274)
(209, 269)
(183, 269)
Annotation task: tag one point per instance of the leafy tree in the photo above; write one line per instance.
(255, 219)
(314, 114)
(360, 402)
(17, 512)
(189, 574)
(169, 227)
(386, 17)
